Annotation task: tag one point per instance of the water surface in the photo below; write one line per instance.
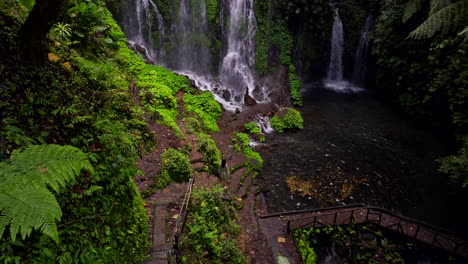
(357, 149)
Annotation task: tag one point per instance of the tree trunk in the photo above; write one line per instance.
(34, 31)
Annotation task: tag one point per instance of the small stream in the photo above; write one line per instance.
(356, 149)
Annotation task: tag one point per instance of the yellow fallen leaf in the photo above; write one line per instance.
(145, 204)
(239, 199)
(66, 65)
(52, 57)
(281, 239)
(175, 216)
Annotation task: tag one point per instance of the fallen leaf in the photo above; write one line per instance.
(175, 216)
(281, 239)
(145, 204)
(52, 57)
(239, 199)
(66, 65)
(41, 169)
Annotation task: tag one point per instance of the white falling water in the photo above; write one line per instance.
(334, 80)
(236, 68)
(189, 50)
(335, 69)
(263, 122)
(360, 56)
(190, 38)
(138, 28)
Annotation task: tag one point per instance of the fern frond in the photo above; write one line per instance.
(451, 16)
(411, 7)
(436, 5)
(26, 203)
(50, 165)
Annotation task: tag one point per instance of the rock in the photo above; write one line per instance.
(237, 111)
(139, 48)
(226, 95)
(248, 100)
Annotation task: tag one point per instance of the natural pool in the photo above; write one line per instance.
(357, 149)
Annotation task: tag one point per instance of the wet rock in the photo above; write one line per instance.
(258, 93)
(248, 100)
(226, 95)
(237, 111)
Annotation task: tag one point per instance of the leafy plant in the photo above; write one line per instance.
(287, 118)
(451, 16)
(211, 153)
(253, 128)
(211, 229)
(26, 204)
(457, 165)
(176, 165)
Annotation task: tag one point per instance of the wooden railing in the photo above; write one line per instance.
(362, 214)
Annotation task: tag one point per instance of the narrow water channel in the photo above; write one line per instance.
(356, 149)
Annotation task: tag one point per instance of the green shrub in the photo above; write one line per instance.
(212, 229)
(252, 128)
(176, 165)
(287, 118)
(211, 153)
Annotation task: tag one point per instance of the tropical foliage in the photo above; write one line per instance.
(26, 204)
(287, 118)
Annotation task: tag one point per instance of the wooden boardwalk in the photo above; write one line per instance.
(361, 214)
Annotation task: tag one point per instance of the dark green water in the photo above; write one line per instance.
(357, 149)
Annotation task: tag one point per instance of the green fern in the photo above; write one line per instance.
(449, 17)
(26, 202)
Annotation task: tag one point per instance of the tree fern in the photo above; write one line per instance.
(411, 7)
(451, 16)
(26, 202)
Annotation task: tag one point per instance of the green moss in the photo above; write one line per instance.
(277, 35)
(287, 118)
(205, 107)
(212, 10)
(254, 158)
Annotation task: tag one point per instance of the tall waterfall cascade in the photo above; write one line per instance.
(335, 68)
(236, 68)
(231, 79)
(334, 80)
(360, 56)
(138, 27)
(189, 37)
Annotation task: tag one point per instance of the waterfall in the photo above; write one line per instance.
(236, 68)
(190, 38)
(360, 56)
(334, 80)
(184, 45)
(138, 27)
(335, 68)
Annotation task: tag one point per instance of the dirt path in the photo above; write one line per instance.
(258, 239)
